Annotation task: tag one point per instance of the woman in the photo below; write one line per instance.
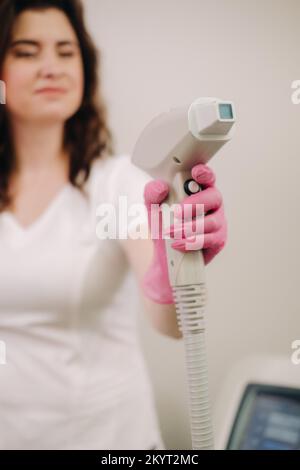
(75, 376)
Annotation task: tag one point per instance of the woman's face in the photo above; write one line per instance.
(44, 54)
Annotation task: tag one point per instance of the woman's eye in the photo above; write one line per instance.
(31, 54)
(66, 54)
(23, 54)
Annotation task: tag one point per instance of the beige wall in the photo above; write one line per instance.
(163, 53)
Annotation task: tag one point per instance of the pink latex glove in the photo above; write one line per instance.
(156, 284)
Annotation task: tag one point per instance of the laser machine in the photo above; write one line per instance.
(168, 148)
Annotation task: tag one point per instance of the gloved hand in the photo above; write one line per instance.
(156, 284)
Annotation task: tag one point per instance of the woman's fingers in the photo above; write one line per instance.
(210, 223)
(215, 220)
(214, 241)
(210, 232)
(203, 175)
(155, 192)
(210, 199)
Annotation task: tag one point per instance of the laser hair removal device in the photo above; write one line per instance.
(168, 148)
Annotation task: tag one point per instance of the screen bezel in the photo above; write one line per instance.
(247, 400)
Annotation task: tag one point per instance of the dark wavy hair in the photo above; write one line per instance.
(86, 134)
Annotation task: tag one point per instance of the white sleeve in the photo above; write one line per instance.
(128, 186)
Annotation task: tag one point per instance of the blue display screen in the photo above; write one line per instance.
(225, 111)
(268, 418)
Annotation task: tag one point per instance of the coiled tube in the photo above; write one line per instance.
(190, 302)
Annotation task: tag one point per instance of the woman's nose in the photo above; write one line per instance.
(50, 66)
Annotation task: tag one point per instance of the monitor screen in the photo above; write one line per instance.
(268, 418)
(225, 111)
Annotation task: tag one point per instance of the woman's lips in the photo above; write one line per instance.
(51, 90)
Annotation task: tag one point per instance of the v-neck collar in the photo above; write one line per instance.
(41, 219)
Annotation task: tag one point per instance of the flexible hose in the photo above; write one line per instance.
(190, 302)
